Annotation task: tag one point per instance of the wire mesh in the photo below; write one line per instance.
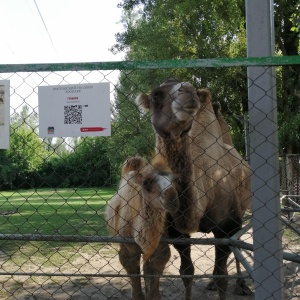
(53, 194)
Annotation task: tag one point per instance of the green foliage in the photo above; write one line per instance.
(154, 30)
(87, 165)
(160, 29)
(90, 163)
(289, 122)
(132, 132)
(32, 162)
(177, 30)
(26, 153)
(287, 16)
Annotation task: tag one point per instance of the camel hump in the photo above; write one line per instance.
(217, 108)
(204, 96)
(133, 164)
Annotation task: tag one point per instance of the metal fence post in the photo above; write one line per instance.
(267, 231)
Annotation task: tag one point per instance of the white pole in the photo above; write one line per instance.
(265, 182)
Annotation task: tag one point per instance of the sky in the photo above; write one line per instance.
(58, 31)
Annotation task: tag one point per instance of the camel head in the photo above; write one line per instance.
(156, 187)
(172, 105)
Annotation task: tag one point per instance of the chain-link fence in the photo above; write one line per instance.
(54, 191)
(290, 184)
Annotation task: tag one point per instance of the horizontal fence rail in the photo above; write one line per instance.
(159, 64)
(109, 239)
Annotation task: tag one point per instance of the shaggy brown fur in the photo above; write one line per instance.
(138, 210)
(214, 183)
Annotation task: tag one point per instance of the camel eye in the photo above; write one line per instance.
(156, 98)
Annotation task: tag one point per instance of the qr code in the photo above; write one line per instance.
(73, 114)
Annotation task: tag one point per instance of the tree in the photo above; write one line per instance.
(89, 165)
(287, 25)
(26, 154)
(132, 132)
(164, 29)
(185, 29)
(161, 29)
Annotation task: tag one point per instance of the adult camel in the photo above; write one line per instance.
(214, 181)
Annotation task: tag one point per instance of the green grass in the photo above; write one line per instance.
(52, 212)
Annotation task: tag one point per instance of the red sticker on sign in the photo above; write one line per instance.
(85, 129)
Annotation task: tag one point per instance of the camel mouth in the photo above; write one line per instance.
(190, 110)
(186, 109)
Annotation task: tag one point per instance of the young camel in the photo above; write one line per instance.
(138, 210)
(214, 181)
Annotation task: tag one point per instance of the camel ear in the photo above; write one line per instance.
(204, 96)
(143, 101)
(133, 164)
(135, 178)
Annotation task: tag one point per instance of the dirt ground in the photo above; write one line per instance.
(115, 288)
(61, 288)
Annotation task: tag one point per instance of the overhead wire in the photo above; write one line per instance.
(45, 26)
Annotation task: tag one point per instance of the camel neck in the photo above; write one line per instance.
(176, 150)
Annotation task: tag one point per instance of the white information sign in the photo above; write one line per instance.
(4, 114)
(74, 110)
